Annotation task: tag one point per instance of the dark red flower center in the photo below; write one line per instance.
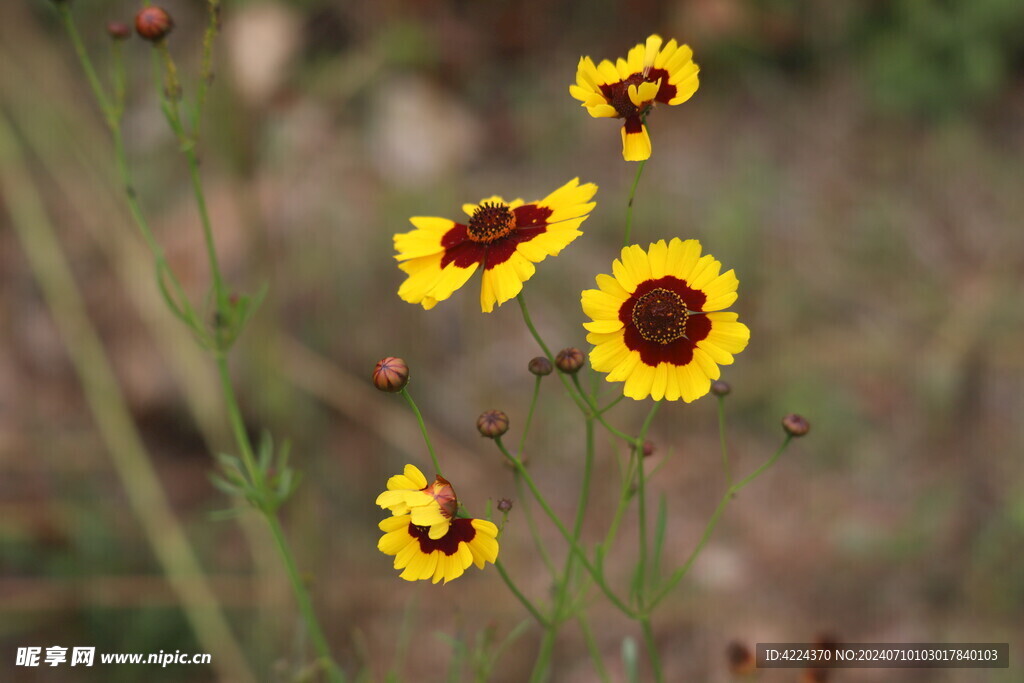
(491, 221)
(461, 531)
(660, 316)
(617, 93)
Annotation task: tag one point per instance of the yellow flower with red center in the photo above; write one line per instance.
(423, 534)
(501, 239)
(629, 88)
(428, 505)
(467, 541)
(658, 322)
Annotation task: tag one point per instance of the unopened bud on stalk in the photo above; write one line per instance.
(390, 374)
(504, 505)
(795, 425)
(153, 23)
(720, 388)
(492, 424)
(569, 360)
(119, 30)
(540, 366)
(649, 448)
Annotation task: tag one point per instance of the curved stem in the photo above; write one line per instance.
(581, 404)
(531, 524)
(529, 416)
(678, 575)
(652, 649)
(519, 595)
(640, 580)
(574, 547)
(423, 428)
(629, 204)
(592, 648)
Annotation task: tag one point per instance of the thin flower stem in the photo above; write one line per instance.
(423, 428)
(574, 547)
(144, 492)
(301, 592)
(592, 648)
(206, 70)
(83, 57)
(721, 437)
(678, 575)
(629, 204)
(543, 661)
(531, 523)
(519, 595)
(620, 509)
(580, 402)
(638, 455)
(529, 416)
(652, 649)
(611, 405)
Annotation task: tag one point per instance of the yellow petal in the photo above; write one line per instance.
(657, 256)
(610, 285)
(638, 384)
(609, 355)
(651, 48)
(625, 368)
(636, 146)
(634, 258)
(634, 94)
(660, 381)
(635, 60)
(602, 111)
(647, 91)
(622, 67)
(665, 54)
(607, 73)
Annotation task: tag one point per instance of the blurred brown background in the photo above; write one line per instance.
(857, 163)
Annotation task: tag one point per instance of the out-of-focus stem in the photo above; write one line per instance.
(102, 393)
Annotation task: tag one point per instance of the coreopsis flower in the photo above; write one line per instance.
(629, 88)
(421, 557)
(429, 505)
(658, 323)
(502, 239)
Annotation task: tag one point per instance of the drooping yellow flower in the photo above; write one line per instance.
(502, 239)
(629, 88)
(467, 541)
(431, 506)
(658, 323)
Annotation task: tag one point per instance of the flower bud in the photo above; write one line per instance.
(153, 23)
(795, 425)
(540, 366)
(504, 505)
(492, 424)
(649, 448)
(390, 374)
(569, 360)
(119, 30)
(720, 388)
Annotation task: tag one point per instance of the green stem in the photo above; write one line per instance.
(83, 57)
(543, 661)
(581, 404)
(574, 547)
(305, 603)
(678, 575)
(652, 649)
(592, 648)
(721, 438)
(629, 205)
(638, 455)
(531, 523)
(519, 595)
(529, 416)
(423, 428)
(143, 490)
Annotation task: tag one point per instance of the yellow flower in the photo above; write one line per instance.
(502, 239)
(431, 506)
(629, 88)
(657, 324)
(467, 541)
